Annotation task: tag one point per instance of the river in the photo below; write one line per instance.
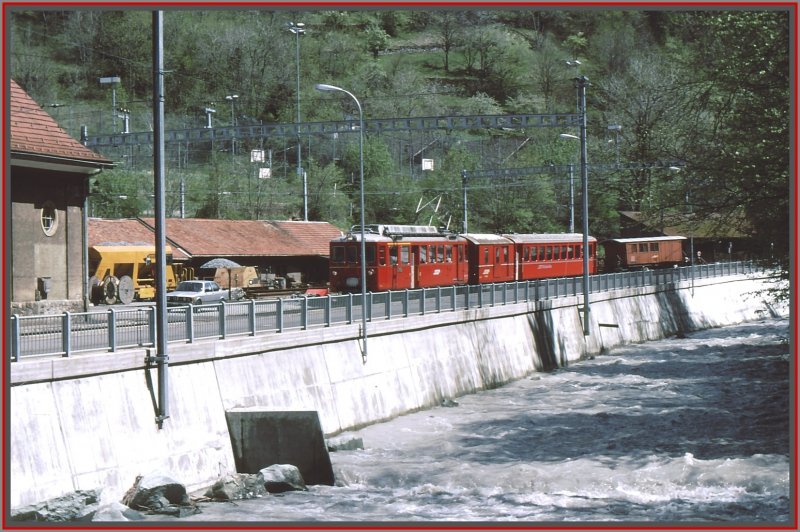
(684, 430)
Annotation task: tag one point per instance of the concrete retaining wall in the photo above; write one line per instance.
(88, 421)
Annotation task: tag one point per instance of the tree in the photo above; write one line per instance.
(377, 40)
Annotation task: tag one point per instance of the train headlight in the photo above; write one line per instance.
(334, 272)
(371, 271)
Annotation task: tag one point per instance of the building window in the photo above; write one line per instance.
(49, 218)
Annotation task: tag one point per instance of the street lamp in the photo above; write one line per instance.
(112, 80)
(298, 29)
(580, 85)
(232, 98)
(332, 88)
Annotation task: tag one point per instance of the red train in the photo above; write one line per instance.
(409, 256)
(624, 254)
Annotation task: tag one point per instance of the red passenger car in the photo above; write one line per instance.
(491, 258)
(543, 255)
(398, 257)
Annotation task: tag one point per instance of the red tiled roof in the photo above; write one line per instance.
(35, 132)
(126, 232)
(241, 238)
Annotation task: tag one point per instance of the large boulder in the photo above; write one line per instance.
(160, 494)
(237, 486)
(279, 478)
(76, 506)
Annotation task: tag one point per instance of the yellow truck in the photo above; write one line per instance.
(126, 273)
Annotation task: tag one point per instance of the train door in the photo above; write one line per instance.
(402, 267)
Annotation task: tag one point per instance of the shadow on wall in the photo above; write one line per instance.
(541, 323)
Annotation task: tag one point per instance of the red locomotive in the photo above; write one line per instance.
(624, 254)
(406, 256)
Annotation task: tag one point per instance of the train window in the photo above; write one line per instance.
(505, 254)
(393, 255)
(632, 248)
(423, 253)
(486, 255)
(448, 253)
(370, 251)
(653, 246)
(439, 253)
(548, 253)
(404, 254)
(497, 254)
(525, 253)
(338, 254)
(382, 256)
(534, 253)
(564, 252)
(642, 248)
(352, 254)
(432, 254)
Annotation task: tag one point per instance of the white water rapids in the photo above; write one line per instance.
(692, 430)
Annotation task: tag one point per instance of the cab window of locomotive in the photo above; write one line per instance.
(653, 246)
(352, 253)
(393, 255)
(439, 253)
(338, 254)
(404, 251)
(423, 253)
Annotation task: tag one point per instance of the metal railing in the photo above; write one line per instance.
(115, 329)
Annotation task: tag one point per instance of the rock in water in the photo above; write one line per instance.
(283, 477)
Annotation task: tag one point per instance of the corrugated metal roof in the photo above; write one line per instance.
(35, 132)
(126, 232)
(242, 238)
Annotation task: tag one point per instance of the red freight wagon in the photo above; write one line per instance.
(398, 257)
(552, 255)
(640, 253)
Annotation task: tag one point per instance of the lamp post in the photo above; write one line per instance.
(232, 98)
(112, 80)
(571, 187)
(298, 29)
(332, 88)
(580, 84)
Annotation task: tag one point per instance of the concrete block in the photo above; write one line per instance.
(261, 438)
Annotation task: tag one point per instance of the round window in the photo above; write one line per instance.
(49, 218)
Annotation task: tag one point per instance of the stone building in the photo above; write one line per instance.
(47, 226)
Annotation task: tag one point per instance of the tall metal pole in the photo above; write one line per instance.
(580, 84)
(324, 87)
(162, 359)
(571, 198)
(297, 29)
(464, 191)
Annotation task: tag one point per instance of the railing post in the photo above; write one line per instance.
(422, 302)
(453, 301)
(438, 299)
(369, 306)
(304, 313)
(151, 326)
(279, 313)
(112, 330)
(480, 295)
(405, 302)
(189, 323)
(223, 323)
(388, 304)
(251, 310)
(328, 307)
(15, 338)
(65, 334)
